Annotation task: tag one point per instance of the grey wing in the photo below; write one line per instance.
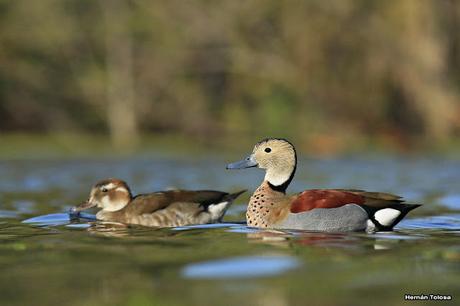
(350, 217)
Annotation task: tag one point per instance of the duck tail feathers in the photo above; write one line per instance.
(232, 196)
(386, 218)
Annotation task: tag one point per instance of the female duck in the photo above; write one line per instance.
(162, 209)
(317, 209)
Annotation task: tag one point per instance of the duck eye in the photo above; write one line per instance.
(104, 190)
(268, 150)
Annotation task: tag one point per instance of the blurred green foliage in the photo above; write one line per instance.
(326, 74)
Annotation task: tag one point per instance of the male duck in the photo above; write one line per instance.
(317, 209)
(161, 209)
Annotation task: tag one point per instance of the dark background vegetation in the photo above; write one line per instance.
(333, 76)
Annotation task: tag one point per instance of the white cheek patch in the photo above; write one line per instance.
(386, 216)
(108, 205)
(105, 202)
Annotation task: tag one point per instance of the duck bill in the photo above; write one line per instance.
(248, 162)
(83, 206)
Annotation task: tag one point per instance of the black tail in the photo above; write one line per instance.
(403, 208)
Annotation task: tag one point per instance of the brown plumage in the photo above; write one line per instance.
(162, 209)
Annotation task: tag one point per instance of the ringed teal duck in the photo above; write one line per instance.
(317, 209)
(158, 209)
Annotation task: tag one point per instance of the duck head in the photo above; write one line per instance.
(110, 195)
(277, 156)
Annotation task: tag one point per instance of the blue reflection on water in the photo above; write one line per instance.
(241, 267)
(58, 219)
(451, 201)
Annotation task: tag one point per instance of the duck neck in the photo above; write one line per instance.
(279, 179)
(105, 215)
(264, 200)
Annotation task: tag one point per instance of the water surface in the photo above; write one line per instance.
(53, 260)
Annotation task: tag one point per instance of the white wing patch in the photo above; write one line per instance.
(217, 210)
(386, 216)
